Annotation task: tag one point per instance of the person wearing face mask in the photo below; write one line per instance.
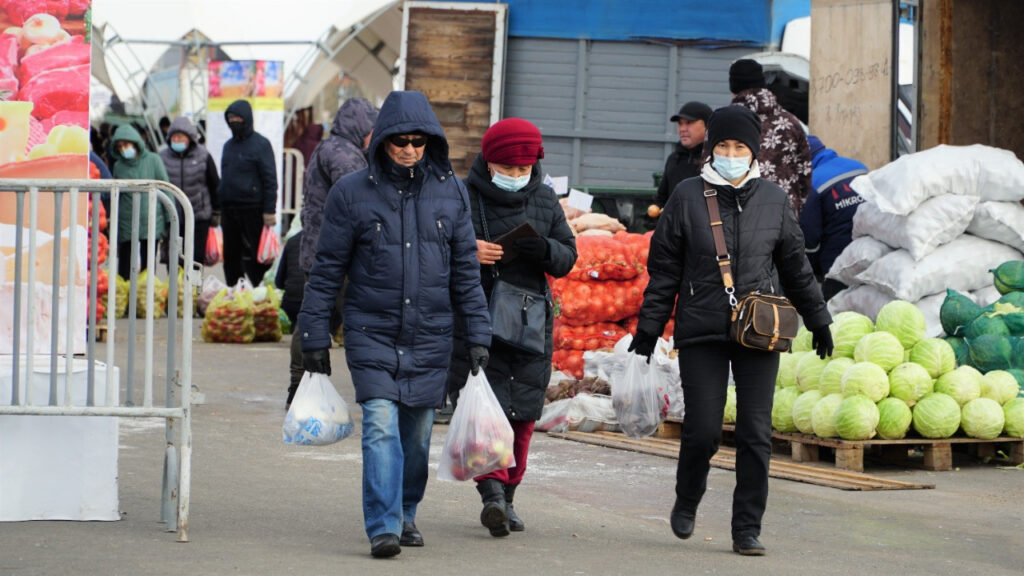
(506, 189)
(400, 231)
(766, 250)
(192, 169)
(133, 161)
(247, 194)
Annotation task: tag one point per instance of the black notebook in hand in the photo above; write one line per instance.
(508, 240)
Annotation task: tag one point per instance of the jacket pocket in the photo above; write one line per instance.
(442, 240)
(376, 240)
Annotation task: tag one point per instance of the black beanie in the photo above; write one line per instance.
(745, 74)
(735, 123)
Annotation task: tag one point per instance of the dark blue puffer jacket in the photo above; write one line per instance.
(827, 216)
(408, 248)
(247, 168)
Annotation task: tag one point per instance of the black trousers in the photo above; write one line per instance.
(124, 257)
(705, 372)
(242, 228)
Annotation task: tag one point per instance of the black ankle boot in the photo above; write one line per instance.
(682, 521)
(515, 524)
(493, 516)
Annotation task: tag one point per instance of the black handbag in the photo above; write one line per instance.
(759, 321)
(518, 315)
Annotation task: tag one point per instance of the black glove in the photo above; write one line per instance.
(533, 248)
(821, 341)
(317, 361)
(478, 356)
(215, 219)
(643, 343)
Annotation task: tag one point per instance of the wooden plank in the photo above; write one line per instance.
(850, 458)
(938, 457)
(804, 452)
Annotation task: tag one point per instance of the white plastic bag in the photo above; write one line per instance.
(318, 415)
(480, 437)
(583, 412)
(936, 221)
(640, 398)
(856, 258)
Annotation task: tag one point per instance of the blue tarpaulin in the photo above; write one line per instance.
(721, 21)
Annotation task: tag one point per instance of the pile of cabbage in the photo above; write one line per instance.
(886, 379)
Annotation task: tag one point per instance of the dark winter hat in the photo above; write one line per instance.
(512, 141)
(735, 123)
(745, 74)
(693, 111)
(816, 145)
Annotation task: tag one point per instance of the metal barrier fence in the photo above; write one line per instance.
(177, 414)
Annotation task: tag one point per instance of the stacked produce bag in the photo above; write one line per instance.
(931, 221)
(229, 317)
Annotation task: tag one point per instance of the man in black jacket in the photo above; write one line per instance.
(247, 193)
(684, 161)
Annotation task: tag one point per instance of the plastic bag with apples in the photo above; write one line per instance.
(479, 438)
(318, 415)
(640, 397)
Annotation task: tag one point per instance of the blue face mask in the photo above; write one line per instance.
(509, 183)
(128, 153)
(179, 147)
(731, 168)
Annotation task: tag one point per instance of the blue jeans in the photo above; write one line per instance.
(396, 446)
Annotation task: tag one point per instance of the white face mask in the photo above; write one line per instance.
(731, 168)
(509, 183)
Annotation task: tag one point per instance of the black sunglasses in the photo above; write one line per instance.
(402, 142)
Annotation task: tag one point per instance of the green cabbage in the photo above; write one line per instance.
(903, 320)
(1009, 276)
(808, 371)
(986, 324)
(1013, 411)
(881, 348)
(991, 352)
(1018, 373)
(935, 354)
(786, 375)
(909, 382)
(823, 416)
(802, 342)
(847, 329)
(962, 384)
(937, 415)
(894, 418)
(1000, 386)
(729, 416)
(802, 408)
(856, 418)
(866, 379)
(782, 409)
(982, 418)
(832, 376)
(957, 312)
(1015, 298)
(960, 349)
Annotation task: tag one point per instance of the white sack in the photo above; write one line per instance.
(990, 173)
(936, 221)
(986, 295)
(930, 307)
(962, 265)
(856, 258)
(864, 298)
(999, 221)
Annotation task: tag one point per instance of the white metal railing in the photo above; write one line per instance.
(293, 174)
(177, 414)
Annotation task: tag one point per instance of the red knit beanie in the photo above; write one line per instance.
(512, 141)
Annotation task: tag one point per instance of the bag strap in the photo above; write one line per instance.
(487, 235)
(721, 251)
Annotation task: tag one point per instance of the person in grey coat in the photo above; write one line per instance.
(191, 168)
(401, 232)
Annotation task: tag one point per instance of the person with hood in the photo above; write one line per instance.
(506, 189)
(247, 194)
(192, 169)
(766, 252)
(827, 217)
(133, 161)
(401, 232)
(341, 153)
(785, 158)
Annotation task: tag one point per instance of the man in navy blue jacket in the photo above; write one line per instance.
(827, 216)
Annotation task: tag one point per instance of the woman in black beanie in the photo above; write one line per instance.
(766, 251)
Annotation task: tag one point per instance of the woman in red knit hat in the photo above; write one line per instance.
(506, 189)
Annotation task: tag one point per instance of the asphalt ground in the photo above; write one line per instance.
(261, 507)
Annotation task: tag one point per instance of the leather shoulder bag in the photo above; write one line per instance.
(759, 321)
(518, 315)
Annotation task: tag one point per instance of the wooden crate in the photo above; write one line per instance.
(937, 454)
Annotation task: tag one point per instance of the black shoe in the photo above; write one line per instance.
(748, 546)
(385, 546)
(410, 535)
(444, 415)
(682, 522)
(515, 523)
(493, 516)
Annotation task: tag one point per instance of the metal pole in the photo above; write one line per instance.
(69, 325)
(58, 208)
(18, 263)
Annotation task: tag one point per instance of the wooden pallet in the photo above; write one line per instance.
(937, 454)
(726, 458)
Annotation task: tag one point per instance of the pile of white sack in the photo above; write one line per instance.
(941, 218)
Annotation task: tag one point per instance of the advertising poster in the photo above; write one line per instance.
(44, 133)
(261, 82)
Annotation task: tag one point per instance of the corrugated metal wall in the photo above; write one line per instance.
(603, 107)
